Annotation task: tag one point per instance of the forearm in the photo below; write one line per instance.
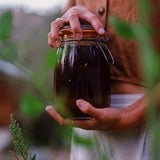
(136, 113)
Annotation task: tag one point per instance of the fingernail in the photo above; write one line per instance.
(80, 103)
(48, 108)
(78, 36)
(101, 31)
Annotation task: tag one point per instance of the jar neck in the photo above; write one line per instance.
(85, 41)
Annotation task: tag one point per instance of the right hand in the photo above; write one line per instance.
(72, 16)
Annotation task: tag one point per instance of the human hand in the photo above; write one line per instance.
(72, 16)
(106, 119)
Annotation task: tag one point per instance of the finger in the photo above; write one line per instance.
(87, 108)
(50, 41)
(94, 21)
(62, 121)
(54, 38)
(53, 41)
(85, 124)
(75, 25)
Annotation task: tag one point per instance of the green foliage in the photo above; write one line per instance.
(149, 57)
(145, 8)
(150, 61)
(103, 156)
(31, 105)
(18, 141)
(123, 28)
(5, 25)
(51, 59)
(8, 50)
(41, 93)
(84, 141)
(59, 102)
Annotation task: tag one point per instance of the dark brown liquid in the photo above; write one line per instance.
(84, 74)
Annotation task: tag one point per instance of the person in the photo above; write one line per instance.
(120, 131)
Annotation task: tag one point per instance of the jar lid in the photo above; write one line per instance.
(87, 30)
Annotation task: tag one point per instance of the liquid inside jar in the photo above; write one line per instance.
(82, 73)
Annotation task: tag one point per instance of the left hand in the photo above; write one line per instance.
(102, 118)
(73, 16)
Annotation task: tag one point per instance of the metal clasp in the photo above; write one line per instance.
(104, 40)
(110, 54)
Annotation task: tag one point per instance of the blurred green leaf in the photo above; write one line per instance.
(149, 57)
(34, 157)
(142, 33)
(31, 105)
(5, 25)
(123, 28)
(59, 102)
(151, 65)
(85, 141)
(145, 7)
(8, 50)
(42, 83)
(103, 156)
(51, 59)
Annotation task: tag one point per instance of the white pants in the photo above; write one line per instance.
(134, 144)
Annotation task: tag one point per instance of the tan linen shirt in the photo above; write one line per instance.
(125, 52)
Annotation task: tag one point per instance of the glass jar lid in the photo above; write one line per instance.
(89, 34)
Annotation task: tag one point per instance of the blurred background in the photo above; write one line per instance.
(26, 69)
(26, 75)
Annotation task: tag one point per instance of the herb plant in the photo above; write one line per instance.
(19, 142)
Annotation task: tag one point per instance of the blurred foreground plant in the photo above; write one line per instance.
(33, 82)
(36, 90)
(143, 33)
(19, 142)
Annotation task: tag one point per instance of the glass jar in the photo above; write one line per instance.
(82, 72)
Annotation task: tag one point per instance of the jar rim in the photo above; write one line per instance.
(87, 31)
(83, 27)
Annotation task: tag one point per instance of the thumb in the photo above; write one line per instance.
(87, 108)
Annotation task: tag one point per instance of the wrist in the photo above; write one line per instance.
(133, 115)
